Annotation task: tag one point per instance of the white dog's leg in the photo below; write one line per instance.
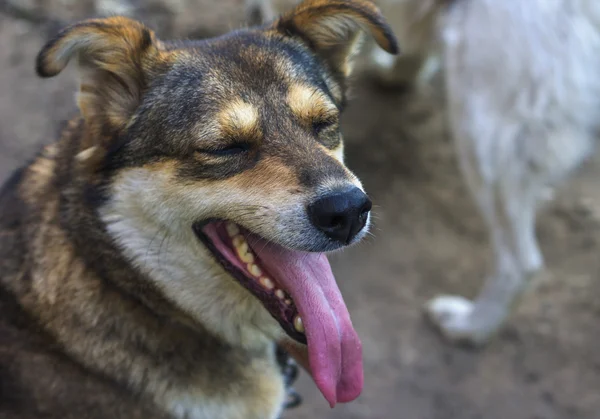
(508, 187)
(508, 204)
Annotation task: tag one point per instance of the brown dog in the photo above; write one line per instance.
(151, 258)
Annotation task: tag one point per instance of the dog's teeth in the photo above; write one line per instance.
(247, 257)
(298, 325)
(254, 270)
(242, 249)
(267, 283)
(232, 229)
(280, 294)
(238, 241)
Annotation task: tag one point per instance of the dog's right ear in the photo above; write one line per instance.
(116, 58)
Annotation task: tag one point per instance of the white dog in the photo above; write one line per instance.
(522, 84)
(523, 100)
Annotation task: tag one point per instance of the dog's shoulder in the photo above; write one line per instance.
(36, 378)
(37, 381)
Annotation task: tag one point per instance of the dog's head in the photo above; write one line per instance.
(223, 174)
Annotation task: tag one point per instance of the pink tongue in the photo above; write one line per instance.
(334, 349)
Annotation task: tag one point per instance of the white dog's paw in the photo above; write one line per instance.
(452, 315)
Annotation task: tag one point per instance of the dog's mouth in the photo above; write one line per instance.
(299, 291)
(231, 245)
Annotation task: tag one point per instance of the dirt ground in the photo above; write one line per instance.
(427, 240)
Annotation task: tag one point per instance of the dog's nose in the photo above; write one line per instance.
(341, 215)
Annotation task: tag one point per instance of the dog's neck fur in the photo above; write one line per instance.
(103, 313)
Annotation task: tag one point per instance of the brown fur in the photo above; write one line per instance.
(97, 319)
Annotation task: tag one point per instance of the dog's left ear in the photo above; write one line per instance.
(332, 29)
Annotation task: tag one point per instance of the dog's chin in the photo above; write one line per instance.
(239, 253)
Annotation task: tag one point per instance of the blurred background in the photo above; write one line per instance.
(428, 238)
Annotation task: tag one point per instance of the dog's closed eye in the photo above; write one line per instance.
(228, 150)
(327, 132)
(322, 125)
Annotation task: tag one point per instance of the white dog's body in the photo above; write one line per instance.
(522, 84)
(523, 104)
(523, 96)
(523, 101)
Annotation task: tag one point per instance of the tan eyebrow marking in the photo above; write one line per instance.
(239, 119)
(338, 151)
(309, 103)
